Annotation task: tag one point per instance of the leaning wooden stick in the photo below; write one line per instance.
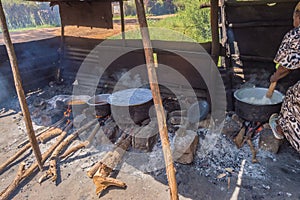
(34, 166)
(19, 88)
(161, 119)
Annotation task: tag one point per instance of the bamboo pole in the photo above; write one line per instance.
(157, 99)
(18, 84)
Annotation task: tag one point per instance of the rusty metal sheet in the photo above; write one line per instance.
(89, 14)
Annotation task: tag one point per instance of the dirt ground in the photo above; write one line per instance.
(74, 183)
(85, 32)
(276, 176)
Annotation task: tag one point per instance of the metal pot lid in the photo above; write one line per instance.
(130, 97)
(249, 95)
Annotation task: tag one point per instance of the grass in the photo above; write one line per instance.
(176, 23)
(118, 17)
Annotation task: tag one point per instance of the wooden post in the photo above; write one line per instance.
(62, 49)
(122, 19)
(157, 99)
(215, 49)
(18, 84)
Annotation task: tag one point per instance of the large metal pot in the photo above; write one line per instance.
(256, 111)
(130, 105)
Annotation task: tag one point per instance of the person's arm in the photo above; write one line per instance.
(279, 74)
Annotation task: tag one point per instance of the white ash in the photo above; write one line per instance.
(151, 161)
(215, 153)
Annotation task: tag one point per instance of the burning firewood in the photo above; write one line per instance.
(52, 172)
(238, 140)
(7, 192)
(241, 138)
(253, 151)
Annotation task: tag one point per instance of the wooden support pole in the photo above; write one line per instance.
(62, 50)
(157, 99)
(122, 19)
(215, 49)
(19, 88)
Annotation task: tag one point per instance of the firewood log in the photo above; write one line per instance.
(5, 193)
(34, 166)
(54, 159)
(253, 151)
(83, 144)
(96, 166)
(50, 128)
(101, 178)
(45, 136)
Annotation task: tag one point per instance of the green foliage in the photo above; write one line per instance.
(163, 7)
(190, 20)
(24, 14)
(129, 8)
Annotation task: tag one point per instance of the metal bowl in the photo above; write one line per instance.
(254, 111)
(78, 102)
(99, 103)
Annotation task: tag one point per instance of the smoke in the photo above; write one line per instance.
(3, 88)
(128, 79)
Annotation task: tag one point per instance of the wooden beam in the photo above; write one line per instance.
(62, 49)
(19, 88)
(161, 118)
(256, 2)
(215, 49)
(122, 19)
(257, 24)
